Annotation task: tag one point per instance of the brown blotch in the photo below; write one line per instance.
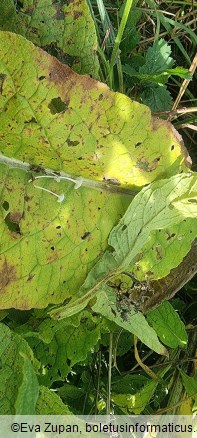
(15, 217)
(7, 275)
(59, 15)
(2, 79)
(59, 72)
(77, 14)
(159, 252)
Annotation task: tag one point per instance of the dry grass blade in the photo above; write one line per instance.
(185, 83)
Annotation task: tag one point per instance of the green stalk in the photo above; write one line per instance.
(115, 52)
(108, 405)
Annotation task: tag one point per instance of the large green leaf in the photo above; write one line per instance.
(54, 118)
(64, 29)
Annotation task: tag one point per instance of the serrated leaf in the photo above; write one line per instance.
(13, 349)
(132, 321)
(65, 29)
(168, 325)
(49, 403)
(158, 78)
(28, 390)
(157, 97)
(152, 209)
(157, 58)
(41, 125)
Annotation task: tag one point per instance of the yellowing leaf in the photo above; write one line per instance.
(52, 118)
(64, 29)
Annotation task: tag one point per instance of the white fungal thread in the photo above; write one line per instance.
(60, 198)
(77, 181)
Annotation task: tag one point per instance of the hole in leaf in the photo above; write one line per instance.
(57, 105)
(87, 234)
(12, 226)
(72, 143)
(138, 144)
(68, 361)
(32, 120)
(5, 205)
(41, 78)
(124, 227)
(53, 248)
(171, 236)
(58, 227)
(172, 147)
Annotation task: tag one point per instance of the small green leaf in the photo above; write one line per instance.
(168, 325)
(157, 97)
(132, 321)
(157, 58)
(28, 391)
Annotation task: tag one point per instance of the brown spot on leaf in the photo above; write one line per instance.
(59, 72)
(172, 132)
(113, 181)
(59, 15)
(2, 79)
(72, 143)
(7, 275)
(159, 252)
(15, 217)
(77, 14)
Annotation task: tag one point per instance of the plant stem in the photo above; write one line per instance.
(108, 407)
